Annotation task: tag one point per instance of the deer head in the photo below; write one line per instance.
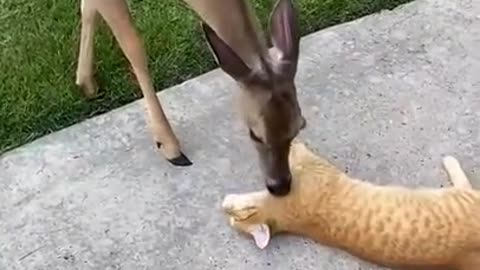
(268, 96)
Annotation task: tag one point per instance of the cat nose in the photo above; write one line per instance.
(280, 186)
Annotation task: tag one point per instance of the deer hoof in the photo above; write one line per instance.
(89, 88)
(181, 160)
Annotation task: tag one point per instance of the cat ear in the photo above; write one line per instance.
(261, 234)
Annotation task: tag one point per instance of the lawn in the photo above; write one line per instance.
(39, 43)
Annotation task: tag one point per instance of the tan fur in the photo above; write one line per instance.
(392, 226)
(116, 14)
(234, 22)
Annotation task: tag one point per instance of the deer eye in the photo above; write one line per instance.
(254, 137)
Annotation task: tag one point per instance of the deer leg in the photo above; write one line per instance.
(85, 79)
(117, 16)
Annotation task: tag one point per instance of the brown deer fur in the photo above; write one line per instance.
(264, 75)
(392, 226)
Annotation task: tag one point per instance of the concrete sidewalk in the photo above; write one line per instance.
(385, 96)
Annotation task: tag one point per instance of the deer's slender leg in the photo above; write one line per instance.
(117, 16)
(85, 79)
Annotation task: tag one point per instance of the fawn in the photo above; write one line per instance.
(264, 74)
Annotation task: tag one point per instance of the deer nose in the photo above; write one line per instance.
(280, 186)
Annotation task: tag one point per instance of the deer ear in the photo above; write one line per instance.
(225, 57)
(285, 35)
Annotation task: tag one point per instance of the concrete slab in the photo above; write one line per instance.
(385, 96)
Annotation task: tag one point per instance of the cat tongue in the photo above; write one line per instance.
(261, 234)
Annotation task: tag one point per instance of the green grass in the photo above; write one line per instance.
(39, 44)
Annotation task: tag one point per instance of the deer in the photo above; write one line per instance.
(264, 72)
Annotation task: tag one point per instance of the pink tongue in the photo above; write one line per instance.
(261, 234)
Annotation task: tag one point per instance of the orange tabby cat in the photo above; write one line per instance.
(392, 226)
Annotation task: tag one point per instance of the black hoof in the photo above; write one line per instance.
(181, 160)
